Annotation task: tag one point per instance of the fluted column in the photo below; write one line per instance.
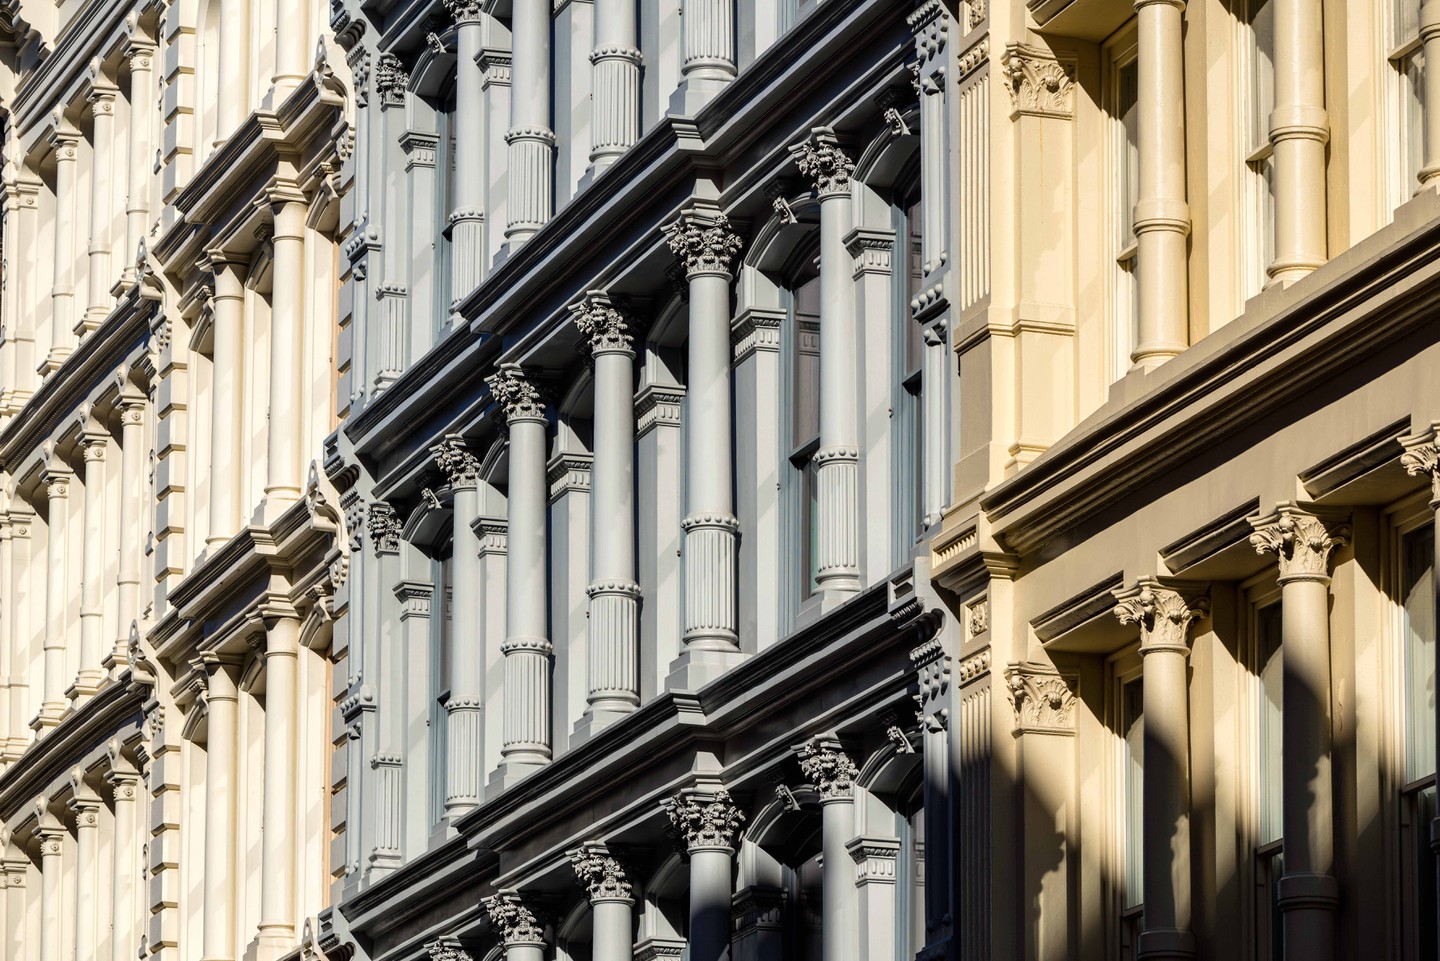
(527, 649)
(283, 480)
(615, 79)
(132, 502)
(531, 141)
(52, 893)
(227, 357)
(614, 688)
(520, 932)
(102, 163)
(233, 83)
(465, 710)
(467, 216)
(218, 905)
(837, 462)
(277, 855)
(1164, 616)
(833, 774)
(92, 568)
(140, 163)
(1309, 896)
(1299, 130)
(293, 49)
(709, 825)
(704, 243)
(124, 940)
(66, 143)
(1162, 216)
(708, 49)
(611, 905)
(57, 479)
(85, 807)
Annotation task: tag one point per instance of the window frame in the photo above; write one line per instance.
(1257, 241)
(1126, 915)
(798, 486)
(1403, 92)
(1119, 55)
(907, 383)
(1265, 858)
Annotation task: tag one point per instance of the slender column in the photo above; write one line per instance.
(1162, 216)
(233, 83)
(52, 844)
(13, 870)
(92, 569)
(709, 823)
(467, 217)
(838, 459)
(1309, 897)
(66, 142)
(8, 645)
(465, 710)
(1299, 130)
(615, 64)
(86, 809)
(57, 493)
(833, 774)
(218, 906)
(527, 650)
(1430, 40)
(875, 892)
(614, 688)
(522, 935)
(277, 855)
(140, 163)
(132, 480)
(10, 312)
(287, 314)
(20, 306)
(612, 907)
(227, 355)
(124, 942)
(292, 50)
(530, 139)
(17, 615)
(102, 113)
(1164, 616)
(706, 246)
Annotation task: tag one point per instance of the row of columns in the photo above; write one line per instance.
(236, 46)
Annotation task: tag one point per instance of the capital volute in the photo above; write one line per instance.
(1164, 613)
(601, 873)
(824, 762)
(606, 327)
(516, 393)
(703, 242)
(514, 920)
(456, 461)
(1421, 456)
(1302, 537)
(821, 159)
(705, 820)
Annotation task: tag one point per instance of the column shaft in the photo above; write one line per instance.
(62, 291)
(57, 492)
(124, 942)
(292, 49)
(467, 217)
(277, 855)
(612, 925)
(465, 710)
(218, 906)
(838, 882)
(92, 569)
(615, 62)
(132, 499)
(227, 356)
(102, 111)
(1298, 132)
(709, 40)
(287, 318)
(8, 650)
(1162, 216)
(140, 162)
(710, 893)
(52, 840)
(86, 907)
(17, 612)
(234, 68)
(530, 139)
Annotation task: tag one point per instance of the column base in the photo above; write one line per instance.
(694, 93)
(694, 669)
(87, 685)
(1166, 943)
(50, 715)
(54, 359)
(275, 942)
(592, 722)
(508, 774)
(13, 748)
(92, 320)
(277, 501)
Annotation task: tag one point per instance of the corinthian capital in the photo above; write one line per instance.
(821, 159)
(705, 819)
(1164, 614)
(601, 873)
(1042, 699)
(1422, 456)
(516, 394)
(453, 457)
(447, 949)
(1302, 538)
(604, 325)
(464, 11)
(829, 768)
(703, 242)
(513, 920)
(383, 527)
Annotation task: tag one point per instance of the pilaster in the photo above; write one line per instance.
(103, 95)
(57, 478)
(65, 141)
(93, 446)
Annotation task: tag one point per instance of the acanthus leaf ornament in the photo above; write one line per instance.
(1163, 613)
(1039, 84)
(605, 326)
(515, 921)
(828, 768)
(383, 526)
(822, 160)
(446, 949)
(1422, 456)
(705, 820)
(465, 11)
(1042, 699)
(1302, 538)
(456, 461)
(516, 393)
(602, 874)
(703, 242)
(391, 80)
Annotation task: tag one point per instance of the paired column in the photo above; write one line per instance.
(233, 99)
(1309, 897)
(530, 139)
(614, 688)
(612, 907)
(837, 462)
(1164, 616)
(92, 568)
(709, 824)
(218, 911)
(86, 808)
(704, 243)
(123, 909)
(465, 710)
(1298, 132)
(287, 321)
(57, 479)
(141, 54)
(467, 217)
(527, 650)
(522, 935)
(1162, 216)
(102, 114)
(66, 143)
(51, 836)
(227, 357)
(277, 854)
(132, 484)
(832, 772)
(615, 64)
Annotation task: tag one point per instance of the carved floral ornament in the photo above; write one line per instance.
(1302, 538)
(1164, 614)
(464, 11)
(605, 326)
(456, 461)
(446, 949)
(1422, 456)
(829, 769)
(705, 820)
(391, 79)
(383, 526)
(704, 243)
(513, 920)
(1042, 699)
(1038, 83)
(516, 394)
(602, 874)
(821, 159)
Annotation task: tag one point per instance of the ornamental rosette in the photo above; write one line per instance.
(517, 396)
(829, 769)
(602, 874)
(705, 820)
(515, 922)
(703, 243)
(1301, 539)
(456, 462)
(604, 325)
(1164, 615)
(821, 159)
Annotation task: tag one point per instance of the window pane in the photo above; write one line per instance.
(1422, 814)
(1262, 71)
(1269, 665)
(1133, 720)
(1412, 107)
(806, 406)
(1406, 22)
(1127, 111)
(1417, 584)
(914, 342)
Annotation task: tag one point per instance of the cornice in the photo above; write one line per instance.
(95, 30)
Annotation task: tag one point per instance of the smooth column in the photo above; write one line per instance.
(614, 687)
(57, 494)
(704, 243)
(530, 139)
(287, 318)
(1162, 216)
(527, 650)
(52, 843)
(292, 49)
(92, 568)
(233, 99)
(611, 905)
(102, 114)
(1309, 896)
(833, 774)
(277, 856)
(218, 911)
(467, 217)
(227, 355)
(123, 909)
(132, 479)
(62, 292)
(86, 808)
(137, 198)
(1298, 132)
(709, 823)
(837, 462)
(615, 66)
